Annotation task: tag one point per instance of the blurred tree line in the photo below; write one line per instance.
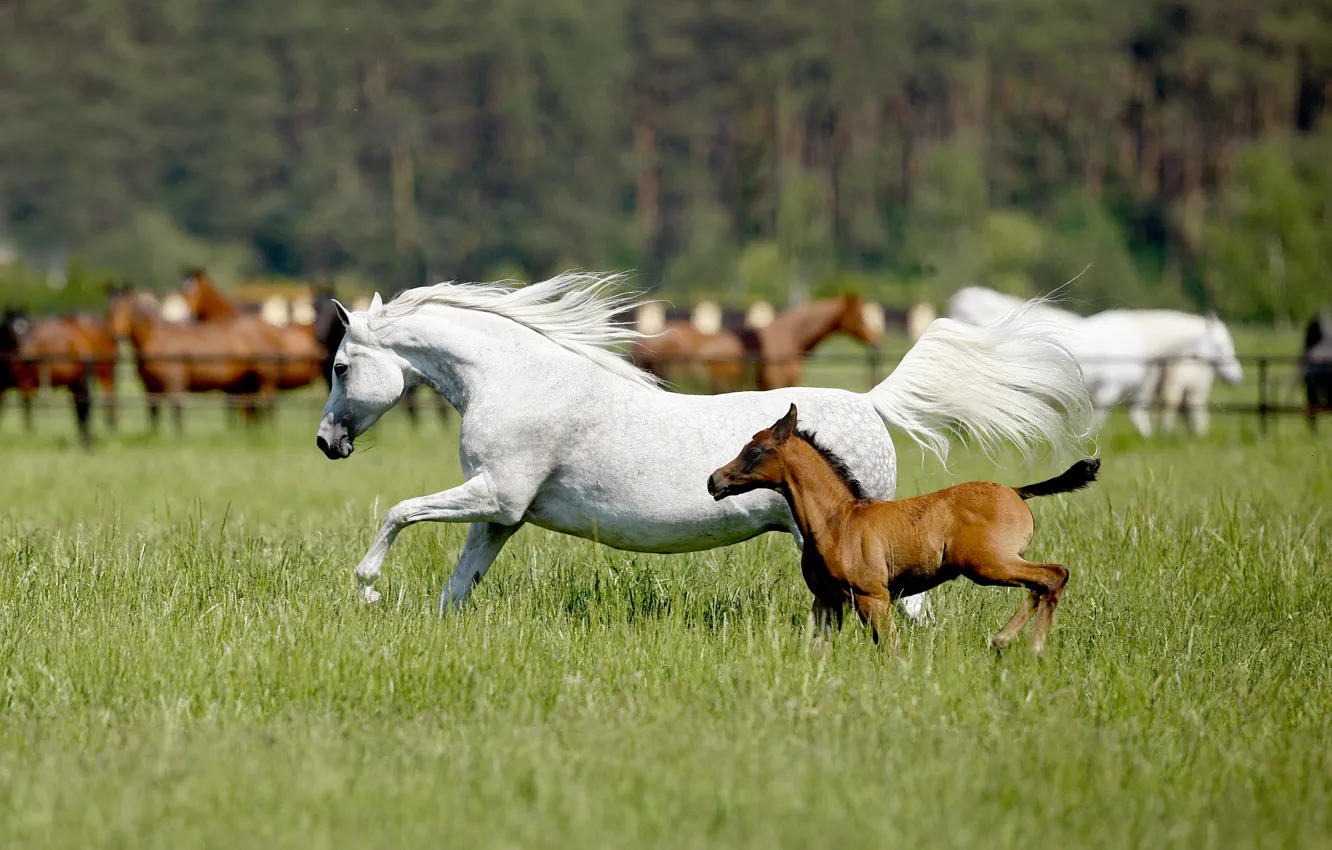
(749, 148)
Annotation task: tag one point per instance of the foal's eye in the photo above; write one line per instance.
(753, 454)
(340, 369)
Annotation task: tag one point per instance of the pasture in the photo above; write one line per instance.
(184, 664)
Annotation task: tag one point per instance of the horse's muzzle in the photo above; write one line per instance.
(716, 488)
(334, 440)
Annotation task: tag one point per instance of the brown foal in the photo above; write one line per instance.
(869, 553)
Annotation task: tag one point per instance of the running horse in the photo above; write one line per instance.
(232, 355)
(294, 347)
(72, 351)
(559, 431)
(777, 351)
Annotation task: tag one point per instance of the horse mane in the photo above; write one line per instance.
(574, 310)
(838, 465)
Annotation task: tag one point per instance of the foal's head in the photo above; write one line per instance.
(761, 465)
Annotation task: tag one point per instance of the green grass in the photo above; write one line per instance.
(182, 663)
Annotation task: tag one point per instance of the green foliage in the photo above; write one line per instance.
(1270, 248)
(938, 143)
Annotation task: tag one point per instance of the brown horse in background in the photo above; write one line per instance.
(231, 355)
(775, 353)
(295, 346)
(62, 351)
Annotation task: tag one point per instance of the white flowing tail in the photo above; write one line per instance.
(1010, 383)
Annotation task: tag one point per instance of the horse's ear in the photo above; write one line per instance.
(343, 315)
(376, 302)
(785, 426)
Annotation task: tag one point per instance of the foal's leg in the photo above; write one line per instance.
(484, 542)
(876, 611)
(1043, 580)
(918, 607)
(1046, 610)
(826, 619)
(475, 501)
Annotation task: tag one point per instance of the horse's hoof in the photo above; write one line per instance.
(369, 595)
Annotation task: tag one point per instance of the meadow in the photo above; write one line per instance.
(183, 663)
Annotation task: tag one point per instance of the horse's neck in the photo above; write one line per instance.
(462, 354)
(802, 328)
(142, 326)
(214, 305)
(813, 489)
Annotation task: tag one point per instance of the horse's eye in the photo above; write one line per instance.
(340, 369)
(753, 454)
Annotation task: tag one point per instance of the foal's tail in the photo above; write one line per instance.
(1077, 476)
(1011, 383)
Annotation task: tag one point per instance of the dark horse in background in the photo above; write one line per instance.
(73, 351)
(1316, 367)
(329, 332)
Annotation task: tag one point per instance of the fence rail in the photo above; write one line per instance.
(1271, 394)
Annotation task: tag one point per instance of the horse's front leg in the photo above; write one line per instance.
(918, 607)
(476, 500)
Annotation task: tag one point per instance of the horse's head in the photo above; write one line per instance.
(1219, 348)
(760, 464)
(854, 320)
(368, 379)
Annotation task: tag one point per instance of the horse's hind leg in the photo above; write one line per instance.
(1045, 581)
(1010, 630)
(484, 542)
(1045, 611)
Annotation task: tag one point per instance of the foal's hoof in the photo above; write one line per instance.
(369, 595)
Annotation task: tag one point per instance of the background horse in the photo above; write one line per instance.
(775, 353)
(1144, 355)
(294, 347)
(559, 431)
(1316, 367)
(63, 351)
(231, 355)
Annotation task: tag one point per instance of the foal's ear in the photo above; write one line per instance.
(376, 302)
(343, 315)
(785, 426)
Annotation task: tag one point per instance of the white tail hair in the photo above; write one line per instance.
(1009, 383)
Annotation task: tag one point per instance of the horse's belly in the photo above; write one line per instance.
(666, 530)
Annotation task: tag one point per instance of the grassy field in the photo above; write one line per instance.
(182, 664)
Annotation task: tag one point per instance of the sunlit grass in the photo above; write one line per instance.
(184, 665)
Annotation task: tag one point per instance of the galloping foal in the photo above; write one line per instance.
(869, 552)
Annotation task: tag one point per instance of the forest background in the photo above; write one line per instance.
(740, 149)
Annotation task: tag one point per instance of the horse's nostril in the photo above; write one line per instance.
(322, 443)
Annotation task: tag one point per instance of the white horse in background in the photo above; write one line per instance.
(559, 431)
(1144, 355)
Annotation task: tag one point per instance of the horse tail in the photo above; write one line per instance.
(1011, 382)
(1076, 477)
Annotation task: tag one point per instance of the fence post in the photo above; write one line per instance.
(1262, 396)
(872, 364)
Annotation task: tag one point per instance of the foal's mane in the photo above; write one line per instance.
(574, 310)
(838, 465)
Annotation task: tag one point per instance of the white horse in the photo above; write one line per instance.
(1144, 355)
(559, 431)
